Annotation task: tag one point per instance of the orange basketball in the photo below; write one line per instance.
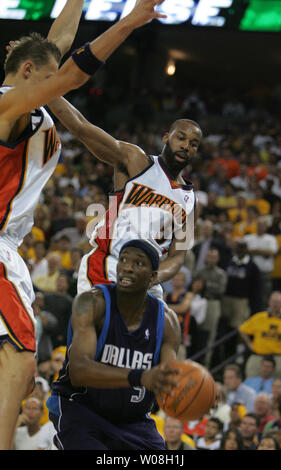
(194, 394)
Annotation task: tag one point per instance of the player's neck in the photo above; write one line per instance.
(12, 80)
(173, 173)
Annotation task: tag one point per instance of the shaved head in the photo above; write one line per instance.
(180, 122)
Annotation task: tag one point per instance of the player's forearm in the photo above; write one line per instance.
(68, 115)
(169, 267)
(88, 373)
(105, 45)
(114, 36)
(64, 28)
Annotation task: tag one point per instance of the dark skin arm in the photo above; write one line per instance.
(172, 264)
(87, 319)
(126, 158)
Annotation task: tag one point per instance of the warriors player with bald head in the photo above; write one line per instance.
(152, 201)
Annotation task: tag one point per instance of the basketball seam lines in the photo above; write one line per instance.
(198, 391)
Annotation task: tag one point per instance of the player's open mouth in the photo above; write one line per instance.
(180, 157)
(126, 281)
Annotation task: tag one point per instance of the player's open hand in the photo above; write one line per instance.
(144, 11)
(160, 379)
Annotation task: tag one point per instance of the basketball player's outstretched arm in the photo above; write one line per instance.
(22, 99)
(87, 320)
(121, 155)
(64, 28)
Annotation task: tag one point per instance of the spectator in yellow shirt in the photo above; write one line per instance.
(262, 334)
(48, 283)
(261, 204)
(248, 226)
(239, 213)
(63, 249)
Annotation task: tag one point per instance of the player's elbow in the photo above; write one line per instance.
(77, 373)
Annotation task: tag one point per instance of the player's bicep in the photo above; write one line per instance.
(171, 338)
(84, 336)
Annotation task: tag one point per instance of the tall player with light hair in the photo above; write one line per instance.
(29, 152)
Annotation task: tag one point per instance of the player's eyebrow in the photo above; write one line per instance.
(185, 135)
(141, 255)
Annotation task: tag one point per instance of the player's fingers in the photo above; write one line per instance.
(168, 381)
(159, 15)
(165, 368)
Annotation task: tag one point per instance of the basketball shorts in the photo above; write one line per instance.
(96, 268)
(17, 321)
(79, 428)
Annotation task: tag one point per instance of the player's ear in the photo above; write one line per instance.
(27, 69)
(165, 137)
(153, 278)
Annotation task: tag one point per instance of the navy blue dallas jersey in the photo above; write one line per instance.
(116, 347)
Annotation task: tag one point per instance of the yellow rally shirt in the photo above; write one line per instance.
(266, 332)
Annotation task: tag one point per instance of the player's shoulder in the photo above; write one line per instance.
(90, 300)
(171, 319)
(137, 159)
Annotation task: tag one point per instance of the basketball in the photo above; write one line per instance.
(194, 394)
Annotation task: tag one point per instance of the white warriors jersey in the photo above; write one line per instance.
(25, 167)
(153, 207)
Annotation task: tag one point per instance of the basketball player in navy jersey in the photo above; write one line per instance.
(120, 342)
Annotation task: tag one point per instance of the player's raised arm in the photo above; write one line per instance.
(77, 69)
(64, 28)
(101, 144)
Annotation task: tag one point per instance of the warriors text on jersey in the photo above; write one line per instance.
(151, 206)
(117, 347)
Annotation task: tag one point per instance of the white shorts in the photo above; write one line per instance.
(17, 321)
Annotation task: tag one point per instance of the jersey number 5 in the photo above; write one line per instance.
(140, 396)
